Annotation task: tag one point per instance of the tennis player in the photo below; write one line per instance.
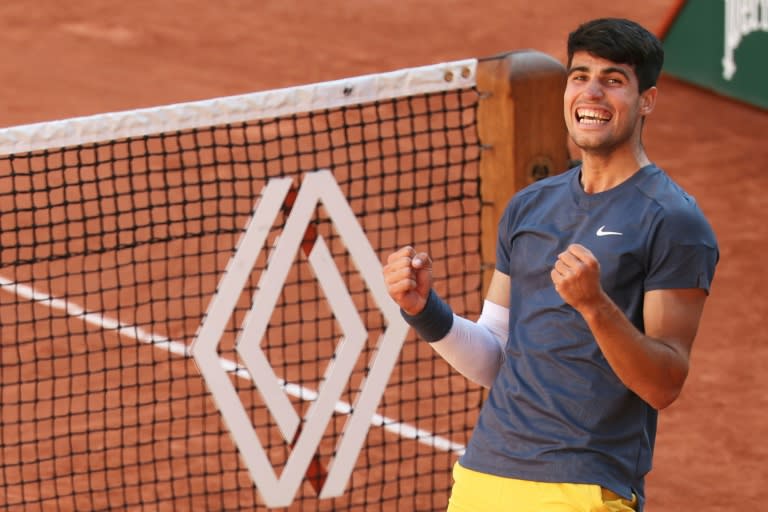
(601, 277)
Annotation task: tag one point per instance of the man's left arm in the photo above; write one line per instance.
(653, 364)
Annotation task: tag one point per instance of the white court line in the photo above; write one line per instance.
(401, 429)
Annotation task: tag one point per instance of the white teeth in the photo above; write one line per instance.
(589, 116)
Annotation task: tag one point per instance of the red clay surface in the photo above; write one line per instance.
(64, 59)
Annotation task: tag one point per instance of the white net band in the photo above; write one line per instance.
(233, 109)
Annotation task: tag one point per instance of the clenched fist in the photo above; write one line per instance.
(408, 276)
(576, 276)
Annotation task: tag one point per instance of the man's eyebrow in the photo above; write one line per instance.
(615, 69)
(603, 71)
(578, 69)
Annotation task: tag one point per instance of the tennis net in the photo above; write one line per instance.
(191, 306)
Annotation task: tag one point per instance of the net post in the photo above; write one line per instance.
(522, 133)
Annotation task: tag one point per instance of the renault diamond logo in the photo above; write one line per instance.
(280, 491)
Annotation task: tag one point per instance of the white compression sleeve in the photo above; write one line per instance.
(476, 349)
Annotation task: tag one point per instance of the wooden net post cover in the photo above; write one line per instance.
(522, 132)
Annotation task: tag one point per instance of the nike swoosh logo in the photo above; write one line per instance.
(601, 232)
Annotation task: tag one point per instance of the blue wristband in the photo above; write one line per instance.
(434, 321)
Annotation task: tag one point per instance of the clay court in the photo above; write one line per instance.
(62, 60)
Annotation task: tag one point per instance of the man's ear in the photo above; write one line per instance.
(648, 100)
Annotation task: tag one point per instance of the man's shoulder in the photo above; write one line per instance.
(541, 194)
(660, 187)
(560, 180)
(677, 210)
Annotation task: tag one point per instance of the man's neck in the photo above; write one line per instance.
(603, 172)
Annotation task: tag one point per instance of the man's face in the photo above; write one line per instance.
(602, 105)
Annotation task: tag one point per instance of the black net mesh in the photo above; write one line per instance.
(110, 254)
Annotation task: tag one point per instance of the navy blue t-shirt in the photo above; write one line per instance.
(557, 412)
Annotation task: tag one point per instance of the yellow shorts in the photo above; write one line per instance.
(480, 492)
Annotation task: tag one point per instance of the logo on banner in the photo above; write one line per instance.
(303, 434)
(742, 17)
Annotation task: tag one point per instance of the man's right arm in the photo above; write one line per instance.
(474, 349)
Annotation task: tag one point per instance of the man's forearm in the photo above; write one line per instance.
(653, 369)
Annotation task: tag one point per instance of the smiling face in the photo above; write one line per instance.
(603, 106)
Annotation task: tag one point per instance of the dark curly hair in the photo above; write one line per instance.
(622, 41)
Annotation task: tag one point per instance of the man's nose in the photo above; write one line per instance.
(594, 89)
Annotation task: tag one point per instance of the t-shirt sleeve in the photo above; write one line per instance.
(683, 252)
(504, 238)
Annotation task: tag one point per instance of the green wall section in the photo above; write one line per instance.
(695, 47)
